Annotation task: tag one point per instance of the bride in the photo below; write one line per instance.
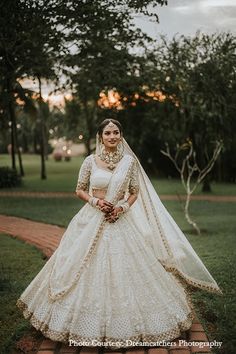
(123, 271)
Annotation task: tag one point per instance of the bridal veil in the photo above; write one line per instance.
(170, 245)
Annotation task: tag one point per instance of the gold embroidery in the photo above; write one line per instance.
(84, 175)
(134, 184)
(191, 283)
(185, 280)
(118, 343)
(118, 195)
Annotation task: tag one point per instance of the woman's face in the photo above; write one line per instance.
(111, 137)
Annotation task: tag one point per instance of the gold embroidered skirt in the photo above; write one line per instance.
(123, 295)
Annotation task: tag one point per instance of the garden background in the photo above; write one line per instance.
(67, 65)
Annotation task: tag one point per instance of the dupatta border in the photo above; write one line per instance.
(90, 251)
(172, 267)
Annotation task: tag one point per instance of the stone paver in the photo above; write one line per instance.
(206, 197)
(44, 236)
(47, 237)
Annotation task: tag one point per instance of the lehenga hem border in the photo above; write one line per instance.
(65, 337)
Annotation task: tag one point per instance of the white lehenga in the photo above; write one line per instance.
(113, 282)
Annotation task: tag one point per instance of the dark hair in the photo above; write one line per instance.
(105, 122)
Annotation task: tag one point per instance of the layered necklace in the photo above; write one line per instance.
(110, 157)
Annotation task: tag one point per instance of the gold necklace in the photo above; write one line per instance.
(111, 158)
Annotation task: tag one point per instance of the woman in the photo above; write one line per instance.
(123, 269)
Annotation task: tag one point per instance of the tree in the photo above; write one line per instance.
(188, 168)
(29, 43)
(200, 74)
(103, 38)
(192, 84)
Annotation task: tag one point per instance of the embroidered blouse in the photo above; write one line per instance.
(91, 175)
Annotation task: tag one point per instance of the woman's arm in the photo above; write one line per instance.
(82, 188)
(103, 204)
(132, 199)
(83, 195)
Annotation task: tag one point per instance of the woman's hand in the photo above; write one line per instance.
(105, 206)
(113, 215)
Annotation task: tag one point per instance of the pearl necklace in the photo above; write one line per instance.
(111, 158)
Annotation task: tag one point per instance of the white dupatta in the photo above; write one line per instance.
(151, 218)
(82, 234)
(168, 242)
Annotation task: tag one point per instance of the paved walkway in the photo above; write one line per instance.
(207, 197)
(47, 237)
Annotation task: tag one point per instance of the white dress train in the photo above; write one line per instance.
(123, 294)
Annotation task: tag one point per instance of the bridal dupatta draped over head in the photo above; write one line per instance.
(159, 230)
(169, 243)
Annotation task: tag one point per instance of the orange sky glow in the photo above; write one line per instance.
(110, 99)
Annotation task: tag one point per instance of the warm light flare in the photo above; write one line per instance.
(157, 95)
(58, 99)
(111, 100)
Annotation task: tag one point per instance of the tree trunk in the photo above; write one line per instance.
(13, 157)
(22, 173)
(45, 143)
(14, 140)
(89, 124)
(35, 142)
(11, 114)
(187, 216)
(87, 145)
(206, 187)
(42, 134)
(25, 142)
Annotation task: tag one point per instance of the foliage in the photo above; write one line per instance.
(9, 178)
(196, 80)
(103, 58)
(89, 47)
(29, 44)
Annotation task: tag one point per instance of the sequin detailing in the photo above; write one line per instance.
(84, 175)
(65, 336)
(134, 184)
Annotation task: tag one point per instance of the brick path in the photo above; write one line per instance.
(210, 198)
(46, 237)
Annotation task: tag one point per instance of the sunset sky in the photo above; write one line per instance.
(179, 17)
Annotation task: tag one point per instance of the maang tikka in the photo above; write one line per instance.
(111, 158)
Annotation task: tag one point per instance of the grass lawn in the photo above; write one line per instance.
(62, 177)
(216, 247)
(50, 210)
(21, 263)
